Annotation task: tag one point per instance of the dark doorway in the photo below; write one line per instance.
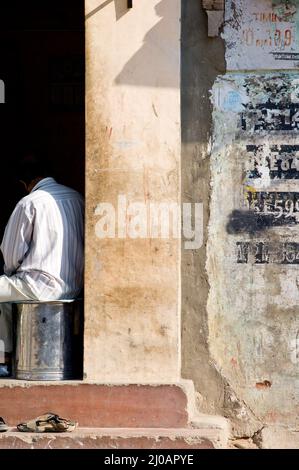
(42, 65)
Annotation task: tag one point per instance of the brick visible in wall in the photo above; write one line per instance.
(215, 12)
(213, 4)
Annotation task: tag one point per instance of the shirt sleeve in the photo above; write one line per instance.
(17, 238)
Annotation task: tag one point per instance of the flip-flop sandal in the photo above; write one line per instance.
(49, 422)
(3, 426)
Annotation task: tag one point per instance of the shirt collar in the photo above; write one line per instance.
(42, 183)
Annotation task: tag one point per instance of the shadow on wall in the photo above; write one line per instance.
(155, 63)
(121, 8)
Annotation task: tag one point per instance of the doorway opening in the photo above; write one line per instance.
(42, 70)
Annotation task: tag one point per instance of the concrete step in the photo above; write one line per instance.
(116, 438)
(95, 405)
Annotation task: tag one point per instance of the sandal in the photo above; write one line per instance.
(3, 426)
(49, 422)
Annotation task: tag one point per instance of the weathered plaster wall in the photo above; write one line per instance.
(240, 293)
(261, 35)
(253, 236)
(202, 62)
(132, 319)
(253, 242)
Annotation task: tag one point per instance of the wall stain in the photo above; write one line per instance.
(246, 221)
(263, 385)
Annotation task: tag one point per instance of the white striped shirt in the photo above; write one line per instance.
(43, 242)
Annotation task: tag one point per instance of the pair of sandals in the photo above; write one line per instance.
(49, 422)
(3, 425)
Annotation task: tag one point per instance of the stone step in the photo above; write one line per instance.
(95, 405)
(116, 438)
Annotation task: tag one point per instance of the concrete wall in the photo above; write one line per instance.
(253, 244)
(239, 331)
(239, 299)
(253, 235)
(132, 319)
(202, 62)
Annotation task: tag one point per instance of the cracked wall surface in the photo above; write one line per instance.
(240, 292)
(202, 61)
(261, 35)
(253, 241)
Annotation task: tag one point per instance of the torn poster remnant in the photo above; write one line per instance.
(261, 34)
(253, 241)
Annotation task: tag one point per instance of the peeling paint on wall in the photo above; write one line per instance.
(253, 248)
(262, 34)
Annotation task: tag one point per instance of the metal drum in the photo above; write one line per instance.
(48, 340)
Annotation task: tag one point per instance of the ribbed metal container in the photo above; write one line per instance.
(48, 345)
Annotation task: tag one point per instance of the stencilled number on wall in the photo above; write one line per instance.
(283, 206)
(261, 34)
(267, 253)
(271, 118)
(277, 161)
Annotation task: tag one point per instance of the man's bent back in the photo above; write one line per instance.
(43, 242)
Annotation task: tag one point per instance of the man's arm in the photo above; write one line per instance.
(17, 238)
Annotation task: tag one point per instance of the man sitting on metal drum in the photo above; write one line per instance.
(42, 246)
